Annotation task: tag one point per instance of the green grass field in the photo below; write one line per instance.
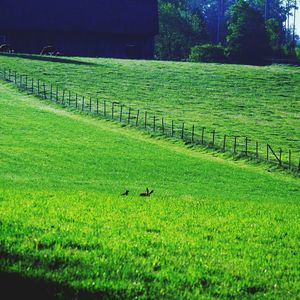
(262, 103)
(213, 228)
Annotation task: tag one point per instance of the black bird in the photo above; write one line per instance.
(125, 193)
(147, 193)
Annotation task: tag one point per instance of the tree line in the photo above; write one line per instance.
(241, 31)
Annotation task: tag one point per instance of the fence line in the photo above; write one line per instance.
(119, 112)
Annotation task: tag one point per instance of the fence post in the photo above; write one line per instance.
(56, 98)
(69, 98)
(129, 115)
(290, 159)
(163, 126)
(112, 110)
(44, 87)
(154, 123)
(20, 83)
(137, 118)
(193, 133)
(280, 157)
(63, 97)
(76, 101)
(32, 85)
(246, 146)
(172, 129)
(299, 166)
(82, 104)
(182, 131)
(97, 106)
(256, 150)
(15, 77)
(224, 142)
(104, 108)
(213, 140)
(38, 87)
(91, 104)
(202, 135)
(267, 152)
(51, 91)
(121, 113)
(145, 119)
(26, 81)
(235, 144)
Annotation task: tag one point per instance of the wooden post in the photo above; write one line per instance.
(121, 113)
(112, 110)
(246, 146)
(235, 144)
(172, 128)
(15, 77)
(202, 135)
(299, 166)
(38, 87)
(193, 133)
(290, 159)
(56, 94)
(82, 104)
(182, 131)
(32, 85)
(224, 142)
(91, 104)
(69, 98)
(20, 83)
(45, 94)
(213, 140)
(76, 101)
(163, 126)
(63, 97)
(51, 91)
(154, 123)
(26, 81)
(104, 108)
(129, 115)
(267, 152)
(97, 106)
(280, 157)
(145, 119)
(137, 118)
(256, 150)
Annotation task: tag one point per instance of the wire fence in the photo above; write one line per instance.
(238, 146)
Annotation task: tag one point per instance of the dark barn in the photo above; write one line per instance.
(106, 28)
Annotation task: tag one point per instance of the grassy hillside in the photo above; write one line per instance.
(262, 103)
(212, 228)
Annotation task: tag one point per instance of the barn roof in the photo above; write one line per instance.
(94, 16)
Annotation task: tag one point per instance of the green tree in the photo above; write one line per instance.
(247, 40)
(179, 31)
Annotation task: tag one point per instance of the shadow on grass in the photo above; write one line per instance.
(49, 58)
(15, 286)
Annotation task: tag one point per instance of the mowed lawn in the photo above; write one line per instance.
(262, 103)
(212, 229)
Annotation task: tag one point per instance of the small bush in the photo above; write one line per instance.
(289, 50)
(207, 53)
(297, 50)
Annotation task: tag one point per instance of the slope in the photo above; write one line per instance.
(212, 228)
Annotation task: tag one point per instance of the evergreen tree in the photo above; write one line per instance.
(247, 37)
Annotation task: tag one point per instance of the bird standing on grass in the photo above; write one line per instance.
(125, 193)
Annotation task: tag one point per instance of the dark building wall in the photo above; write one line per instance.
(112, 28)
